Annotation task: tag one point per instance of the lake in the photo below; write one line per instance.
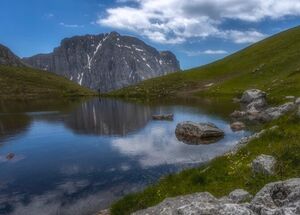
(77, 157)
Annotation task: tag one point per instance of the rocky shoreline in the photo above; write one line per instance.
(279, 198)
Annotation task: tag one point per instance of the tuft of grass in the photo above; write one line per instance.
(24, 83)
(226, 173)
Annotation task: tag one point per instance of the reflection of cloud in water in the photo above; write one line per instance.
(54, 202)
(158, 146)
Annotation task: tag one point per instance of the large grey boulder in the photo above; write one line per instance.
(280, 198)
(197, 133)
(257, 105)
(297, 102)
(264, 164)
(106, 62)
(276, 112)
(252, 95)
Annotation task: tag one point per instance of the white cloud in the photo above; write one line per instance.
(70, 25)
(206, 52)
(175, 21)
(49, 15)
(243, 36)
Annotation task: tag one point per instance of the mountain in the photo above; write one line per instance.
(106, 62)
(19, 81)
(272, 65)
(8, 58)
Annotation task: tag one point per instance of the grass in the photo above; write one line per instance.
(271, 65)
(25, 83)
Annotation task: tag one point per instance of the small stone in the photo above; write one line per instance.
(237, 126)
(239, 196)
(104, 212)
(169, 117)
(290, 97)
(264, 164)
(297, 102)
(238, 114)
(209, 85)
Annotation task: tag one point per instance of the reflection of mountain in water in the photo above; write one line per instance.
(13, 125)
(108, 117)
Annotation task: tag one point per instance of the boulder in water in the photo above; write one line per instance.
(169, 117)
(198, 133)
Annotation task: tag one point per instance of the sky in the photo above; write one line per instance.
(197, 31)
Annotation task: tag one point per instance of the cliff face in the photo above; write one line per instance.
(8, 58)
(106, 62)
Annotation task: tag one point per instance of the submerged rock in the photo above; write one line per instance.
(264, 164)
(198, 133)
(163, 117)
(10, 156)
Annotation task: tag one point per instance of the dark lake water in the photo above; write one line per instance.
(77, 157)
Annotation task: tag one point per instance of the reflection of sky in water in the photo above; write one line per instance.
(68, 164)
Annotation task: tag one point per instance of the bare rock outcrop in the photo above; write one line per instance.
(279, 198)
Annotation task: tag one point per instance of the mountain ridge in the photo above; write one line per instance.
(106, 62)
(8, 58)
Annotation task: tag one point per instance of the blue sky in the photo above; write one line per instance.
(197, 31)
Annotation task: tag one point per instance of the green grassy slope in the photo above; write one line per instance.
(272, 65)
(23, 82)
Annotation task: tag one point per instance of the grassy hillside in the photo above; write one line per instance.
(272, 65)
(23, 82)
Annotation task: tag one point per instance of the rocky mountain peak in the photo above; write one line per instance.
(106, 62)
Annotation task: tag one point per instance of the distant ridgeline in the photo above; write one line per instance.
(106, 62)
(8, 58)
